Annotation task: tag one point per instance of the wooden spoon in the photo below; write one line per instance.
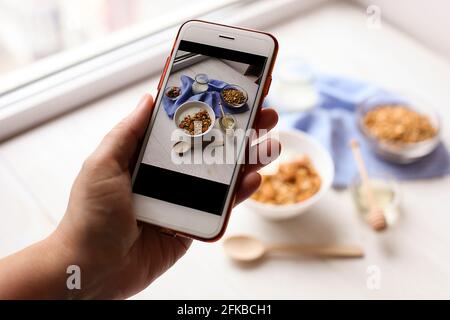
(247, 249)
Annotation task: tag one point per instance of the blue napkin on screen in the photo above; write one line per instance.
(332, 123)
(211, 97)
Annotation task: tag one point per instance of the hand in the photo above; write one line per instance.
(118, 256)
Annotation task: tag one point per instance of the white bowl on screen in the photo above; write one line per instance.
(190, 108)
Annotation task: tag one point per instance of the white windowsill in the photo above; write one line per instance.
(37, 102)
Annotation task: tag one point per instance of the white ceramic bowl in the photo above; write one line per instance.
(295, 143)
(190, 108)
(234, 86)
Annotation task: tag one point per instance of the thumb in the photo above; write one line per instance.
(120, 144)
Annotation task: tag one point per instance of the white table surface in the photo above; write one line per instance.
(38, 167)
(160, 138)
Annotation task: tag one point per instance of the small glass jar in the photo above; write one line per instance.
(294, 86)
(200, 84)
(228, 123)
(386, 193)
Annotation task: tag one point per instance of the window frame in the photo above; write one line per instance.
(135, 56)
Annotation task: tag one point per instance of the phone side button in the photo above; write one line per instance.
(267, 86)
(163, 73)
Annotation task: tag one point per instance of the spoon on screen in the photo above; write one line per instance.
(244, 248)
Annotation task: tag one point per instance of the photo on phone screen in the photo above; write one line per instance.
(209, 96)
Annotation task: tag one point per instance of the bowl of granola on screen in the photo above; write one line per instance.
(194, 118)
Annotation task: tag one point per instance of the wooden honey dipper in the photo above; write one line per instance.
(375, 217)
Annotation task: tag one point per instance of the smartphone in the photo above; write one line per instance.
(211, 89)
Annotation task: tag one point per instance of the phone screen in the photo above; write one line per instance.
(196, 138)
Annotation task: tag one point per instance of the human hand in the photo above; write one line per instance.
(117, 255)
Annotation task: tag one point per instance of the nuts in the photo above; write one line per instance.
(196, 124)
(173, 92)
(294, 182)
(233, 96)
(398, 124)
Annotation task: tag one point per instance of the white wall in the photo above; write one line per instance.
(426, 20)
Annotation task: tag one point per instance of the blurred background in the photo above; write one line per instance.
(34, 29)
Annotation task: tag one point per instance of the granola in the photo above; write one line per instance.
(197, 123)
(294, 182)
(398, 124)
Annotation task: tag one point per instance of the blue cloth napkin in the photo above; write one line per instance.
(332, 123)
(211, 97)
